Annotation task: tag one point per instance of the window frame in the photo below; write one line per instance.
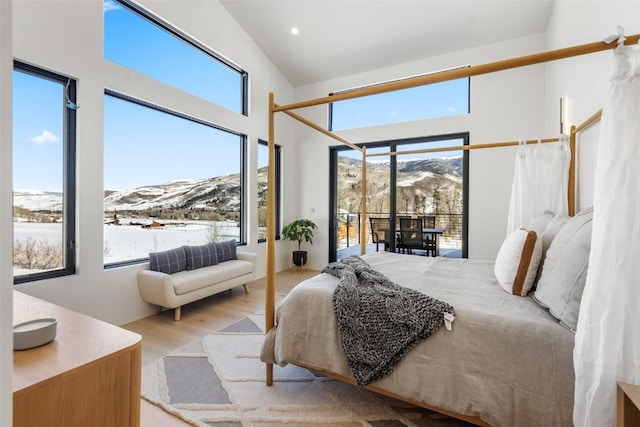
(69, 173)
(243, 156)
(164, 25)
(278, 185)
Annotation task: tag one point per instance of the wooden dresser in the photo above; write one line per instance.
(628, 405)
(88, 376)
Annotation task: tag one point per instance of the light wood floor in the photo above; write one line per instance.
(161, 334)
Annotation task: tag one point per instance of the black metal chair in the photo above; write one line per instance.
(429, 221)
(398, 235)
(380, 232)
(411, 234)
(429, 238)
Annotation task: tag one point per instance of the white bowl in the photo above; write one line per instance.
(34, 333)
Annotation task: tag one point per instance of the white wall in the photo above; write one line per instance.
(583, 80)
(66, 37)
(504, 106)
(6, 211)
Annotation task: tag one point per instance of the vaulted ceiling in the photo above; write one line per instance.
(343, 37)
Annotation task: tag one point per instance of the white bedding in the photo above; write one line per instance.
(506, 360)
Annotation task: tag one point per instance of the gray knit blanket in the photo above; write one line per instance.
(378, 320)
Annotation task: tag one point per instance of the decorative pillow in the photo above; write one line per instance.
(551, 231)
(200, 256)
(226, 251)
(517, 261)
(539, 223)
(171, 261)
(547, 236)
(565, 270)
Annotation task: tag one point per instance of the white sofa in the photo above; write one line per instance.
(177, 289)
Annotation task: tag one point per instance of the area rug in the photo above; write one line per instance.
(219, 381)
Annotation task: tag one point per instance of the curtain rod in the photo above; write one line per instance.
(463, 147)
(474, 70)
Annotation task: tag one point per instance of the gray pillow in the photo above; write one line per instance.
(171, 261)
(200, 256)
(565, 270)
(226, 251)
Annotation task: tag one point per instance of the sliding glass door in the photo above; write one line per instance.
(432, 186)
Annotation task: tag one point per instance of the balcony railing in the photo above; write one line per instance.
(349, 228)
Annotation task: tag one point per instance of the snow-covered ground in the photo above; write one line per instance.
(128, 242)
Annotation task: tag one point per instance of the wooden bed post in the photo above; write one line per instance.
(270, 288)
(363, 203)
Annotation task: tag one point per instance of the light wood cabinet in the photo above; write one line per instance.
(88, 376)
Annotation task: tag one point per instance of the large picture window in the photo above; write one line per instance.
(263, 164)
(44, 128)
(170, 180)
(136, 39)
(443, 99)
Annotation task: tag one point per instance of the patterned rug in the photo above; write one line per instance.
(219, 381)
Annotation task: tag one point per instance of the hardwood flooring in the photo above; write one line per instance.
(161, 334)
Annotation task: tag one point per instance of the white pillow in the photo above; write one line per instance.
(550, 232)
(565, 270)
(517, 261)
(539, 223)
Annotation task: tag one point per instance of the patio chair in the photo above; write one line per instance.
(429, 238)
(380, 232)
(411, 234)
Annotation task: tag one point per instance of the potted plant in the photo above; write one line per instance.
(298, 231)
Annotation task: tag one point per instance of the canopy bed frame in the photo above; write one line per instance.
(392, 86)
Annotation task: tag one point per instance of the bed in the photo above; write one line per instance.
(506, 361)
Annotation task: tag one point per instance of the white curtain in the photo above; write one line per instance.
(607, 341)
(540, 182)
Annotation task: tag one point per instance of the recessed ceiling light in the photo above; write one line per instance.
(294, 31)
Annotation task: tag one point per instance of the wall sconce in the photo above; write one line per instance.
(563, 113)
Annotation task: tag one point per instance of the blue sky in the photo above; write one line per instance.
(143, 146)
(37, 133)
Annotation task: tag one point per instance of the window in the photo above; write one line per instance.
(44, 129)
(263, 164)
(423, 102)
(170, 180)
(136, 39)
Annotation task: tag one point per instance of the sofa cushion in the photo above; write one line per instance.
(188, 281)
(169, 262)
(226, 250)
(201, 256)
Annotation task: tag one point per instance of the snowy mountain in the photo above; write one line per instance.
(183, 194)
(35, 200)
(421, 175)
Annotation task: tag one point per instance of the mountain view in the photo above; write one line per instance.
(425, 186)
(431, 186)
(162, 216)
